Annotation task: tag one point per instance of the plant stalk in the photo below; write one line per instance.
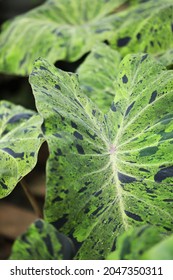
(31, 199)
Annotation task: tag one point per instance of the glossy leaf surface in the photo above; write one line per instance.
(107, 173)
(41, 242)
(58, 29)
(20, 140)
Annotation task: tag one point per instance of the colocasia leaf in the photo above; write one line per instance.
(108, 173)
(147, 27)
(97, 74)
(58, 29)
(161, 251)
(132, 244)
(20, 140)
(42, 242)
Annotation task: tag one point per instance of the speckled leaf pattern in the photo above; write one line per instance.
(132, 244)
(147, 28)
(58, 29)
(20, 140)
(100, 65)
(41, 241)
(107, 173)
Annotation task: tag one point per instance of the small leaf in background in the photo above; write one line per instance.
(147, 27)
(108, 173)
(161, 251)
(42, 242)
(132, 244)
(20, 140)
(97, 74)
(57, 30)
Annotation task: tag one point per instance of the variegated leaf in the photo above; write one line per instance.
(41, 241)
(20, 140)
(134, 243)
(148, 28)
(97, 74)
(108, 173)
(58, 29)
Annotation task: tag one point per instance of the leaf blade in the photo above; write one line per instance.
(20, 140)
(99, 185)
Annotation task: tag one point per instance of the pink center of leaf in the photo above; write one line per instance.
(112, 149)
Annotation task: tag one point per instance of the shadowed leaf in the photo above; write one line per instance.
(57, 30)
(20, 140)
(41, 242)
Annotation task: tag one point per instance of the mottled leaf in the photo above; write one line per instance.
(107, 173)
(20, 140)
(147, 27)
(97, 74)
(167, 57)
(58, 29)
(131, 245)
(161, 251)
(42, 242)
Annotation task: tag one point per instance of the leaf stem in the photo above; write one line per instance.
(31, 199)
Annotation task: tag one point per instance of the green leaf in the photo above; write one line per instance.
(131, 245)
(147, 27)
(41, 242)
(20, 140)
(161, 251)
(107, 173)
(100, 65)
(58, 29)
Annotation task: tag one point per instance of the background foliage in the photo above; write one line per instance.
(108, 126)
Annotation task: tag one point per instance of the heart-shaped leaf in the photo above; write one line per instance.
(147, 27)
(107, 173)
(20, 140)
(58, 29)
(42, 242)
(100, 65)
